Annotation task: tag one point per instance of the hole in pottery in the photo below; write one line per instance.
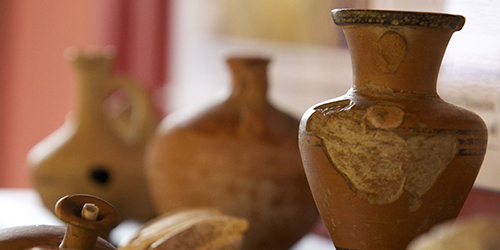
(100, 175)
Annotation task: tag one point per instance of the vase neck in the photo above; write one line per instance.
(405, 59)
(399, 50)
(249, 79)
(94, 85)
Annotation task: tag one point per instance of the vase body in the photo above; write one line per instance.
(390, 159)
(90, 153)
(237, 153)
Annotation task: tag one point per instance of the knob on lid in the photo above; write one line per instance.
(69, 210)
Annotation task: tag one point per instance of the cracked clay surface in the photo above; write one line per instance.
(377, 163)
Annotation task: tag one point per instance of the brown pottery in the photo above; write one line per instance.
(87, 217)
(390, 159)
(237, 153)
(94, 152)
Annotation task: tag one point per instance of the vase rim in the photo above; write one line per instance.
(398, 18)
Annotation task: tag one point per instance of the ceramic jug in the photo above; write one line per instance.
(390, 159)
(91, 153)
(237, 153)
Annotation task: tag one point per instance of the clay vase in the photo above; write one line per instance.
(237, 153)
(90, 154)
(86, 216)
(390, 159)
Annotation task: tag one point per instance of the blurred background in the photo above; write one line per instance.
(177, 49)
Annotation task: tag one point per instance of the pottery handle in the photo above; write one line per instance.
(143, 118)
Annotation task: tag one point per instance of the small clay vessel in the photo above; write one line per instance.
(87, 216)
(90, 153)
(390, 159)
(237, 153)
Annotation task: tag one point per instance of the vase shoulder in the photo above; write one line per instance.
(232, 117)
(394, 112)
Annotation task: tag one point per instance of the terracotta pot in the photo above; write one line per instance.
(237, 153)
(86, 217)
(93, 152)
(390, 159)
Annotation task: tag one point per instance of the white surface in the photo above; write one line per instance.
(470, 76)
(313, 242)
(23, 207)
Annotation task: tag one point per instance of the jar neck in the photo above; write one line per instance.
(405, 59)
(93, 89)
(249, 79)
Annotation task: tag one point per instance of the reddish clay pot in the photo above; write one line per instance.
(240, 154)
(390, 159)
(87, 217)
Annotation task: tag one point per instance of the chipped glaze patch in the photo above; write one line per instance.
(430, 156)
(378, 164)
(385, 117)
(371, 88)
(335, 107)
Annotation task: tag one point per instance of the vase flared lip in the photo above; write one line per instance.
(398, 18)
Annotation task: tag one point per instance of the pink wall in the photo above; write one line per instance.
(139, 31)
(36, 84)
